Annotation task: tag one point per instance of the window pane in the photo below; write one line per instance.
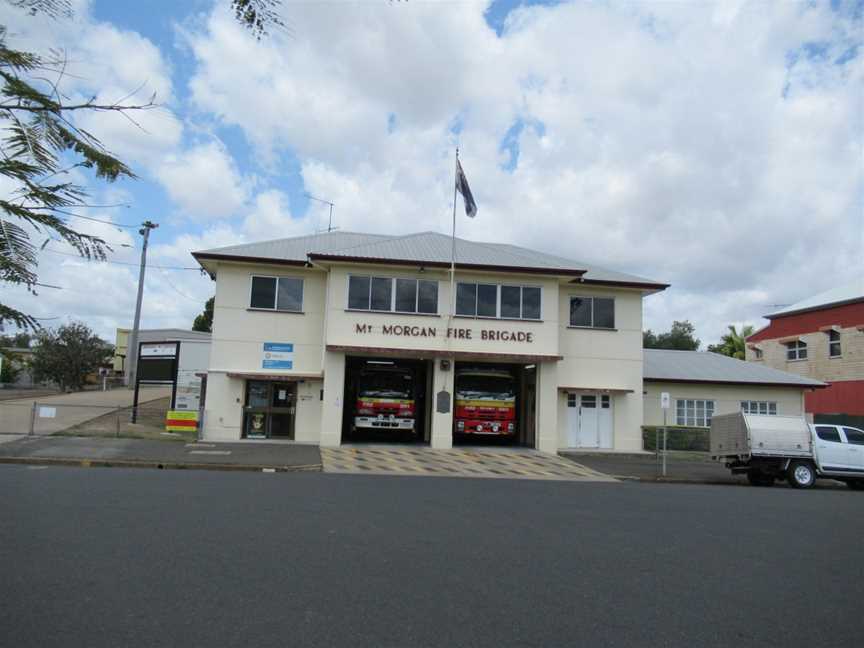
(531, 303)
(466, 299)
(487, 300)
(763, 407)
(290, 296)
(589, 402)
(854, 436)
(428, 297)
(802, 353)
(382, 291)
(745, 407)
(604, 312)
(834, 349)
(263, 292)
(580, 311)
(358, 293)
(834, 336)
(772, 408)
(510, 299)
(604, 401)
(406, 295)
(827, 433)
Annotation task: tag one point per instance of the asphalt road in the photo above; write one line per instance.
(113, 557)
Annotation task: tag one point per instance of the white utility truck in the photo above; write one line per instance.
(767, 448)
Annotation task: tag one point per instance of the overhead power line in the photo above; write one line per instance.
(124, 263)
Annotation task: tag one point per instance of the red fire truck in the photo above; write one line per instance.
(385, 399)
(485, 402)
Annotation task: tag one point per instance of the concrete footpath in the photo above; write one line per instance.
(681, 468)
(140, 453)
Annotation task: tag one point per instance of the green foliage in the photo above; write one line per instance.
(257, 15)
(732, 344)
(40, 145)
(204, 321)
(66, 355)
(681, 337)
(11, 368)
(20, 340)
(677, 438)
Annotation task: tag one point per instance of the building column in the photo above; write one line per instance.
(334, 391)
(442, 423)
(547, 407)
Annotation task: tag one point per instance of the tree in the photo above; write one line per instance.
(680, 336)
(67, 355)
(42, 144)
(20, 340)
(204, 321)
(732, 344)
(10, 369)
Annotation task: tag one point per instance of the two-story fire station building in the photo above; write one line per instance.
(341, 336)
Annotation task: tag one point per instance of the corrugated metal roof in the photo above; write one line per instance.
(423, 247)
(850, 292)
(703, 366)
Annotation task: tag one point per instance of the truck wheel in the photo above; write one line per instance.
(758, 478)
(801, 474)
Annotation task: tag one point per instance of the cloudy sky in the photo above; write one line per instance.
(713, 146)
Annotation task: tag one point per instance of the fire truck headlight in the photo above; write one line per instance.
(460, 425)
(495, 428)
(510, 427)
(365, 411)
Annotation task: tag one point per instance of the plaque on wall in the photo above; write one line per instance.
(442, 402)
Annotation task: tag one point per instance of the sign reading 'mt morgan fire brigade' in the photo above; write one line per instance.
(491, 335)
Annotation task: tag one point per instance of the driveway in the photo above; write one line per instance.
(513, 463)
(61, 411)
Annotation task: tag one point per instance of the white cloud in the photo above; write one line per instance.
(204, 181)
(705, 145)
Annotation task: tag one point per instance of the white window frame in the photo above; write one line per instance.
(392, 308)
(592, 326)
(498, 287)
(700, 416)
(832, 342)
(759, 407)
(794, 349)
(275, 308)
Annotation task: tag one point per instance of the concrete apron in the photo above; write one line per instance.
(500, 463)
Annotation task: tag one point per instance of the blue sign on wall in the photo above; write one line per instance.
(277, 355)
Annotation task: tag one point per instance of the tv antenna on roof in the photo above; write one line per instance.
(330, 227)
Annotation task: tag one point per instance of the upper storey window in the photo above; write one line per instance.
(834, 348)
(389, 295)
(592, 312)
(277, 293)
(498, 301)
(796, 350)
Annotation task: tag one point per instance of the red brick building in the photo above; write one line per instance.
(823, 338)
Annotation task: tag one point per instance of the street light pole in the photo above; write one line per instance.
(132, 342)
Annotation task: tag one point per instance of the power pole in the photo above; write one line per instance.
(132, 343)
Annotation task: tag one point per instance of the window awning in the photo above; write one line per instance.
(602, 390)
(256, 375)
(790, 339)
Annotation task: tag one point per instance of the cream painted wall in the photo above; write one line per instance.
(237, 345)
(600, 359)
(727, 398)
(342, 323)
(591, 358)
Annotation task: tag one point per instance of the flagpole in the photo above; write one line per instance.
(453, 240)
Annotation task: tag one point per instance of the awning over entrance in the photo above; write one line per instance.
(255, 375)
(431, 353)
(601, 390)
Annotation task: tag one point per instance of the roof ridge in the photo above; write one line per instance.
(297, 238)
(387, 238)
(487, 245)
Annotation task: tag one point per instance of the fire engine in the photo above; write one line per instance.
(485, 402)
(385, 399)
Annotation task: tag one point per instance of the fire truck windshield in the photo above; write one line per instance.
(389, 384)
(485, 388)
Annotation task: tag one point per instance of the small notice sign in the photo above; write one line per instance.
(47, 412)
(664, 400)
(179, 421)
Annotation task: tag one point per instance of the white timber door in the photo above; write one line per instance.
(589, 421)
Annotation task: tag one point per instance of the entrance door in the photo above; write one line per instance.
(269, 411)
(589, 419)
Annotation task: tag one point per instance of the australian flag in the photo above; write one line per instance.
(463, 188)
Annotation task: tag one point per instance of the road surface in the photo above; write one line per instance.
(115, 557)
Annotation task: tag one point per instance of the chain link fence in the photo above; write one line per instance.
(46, 418)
